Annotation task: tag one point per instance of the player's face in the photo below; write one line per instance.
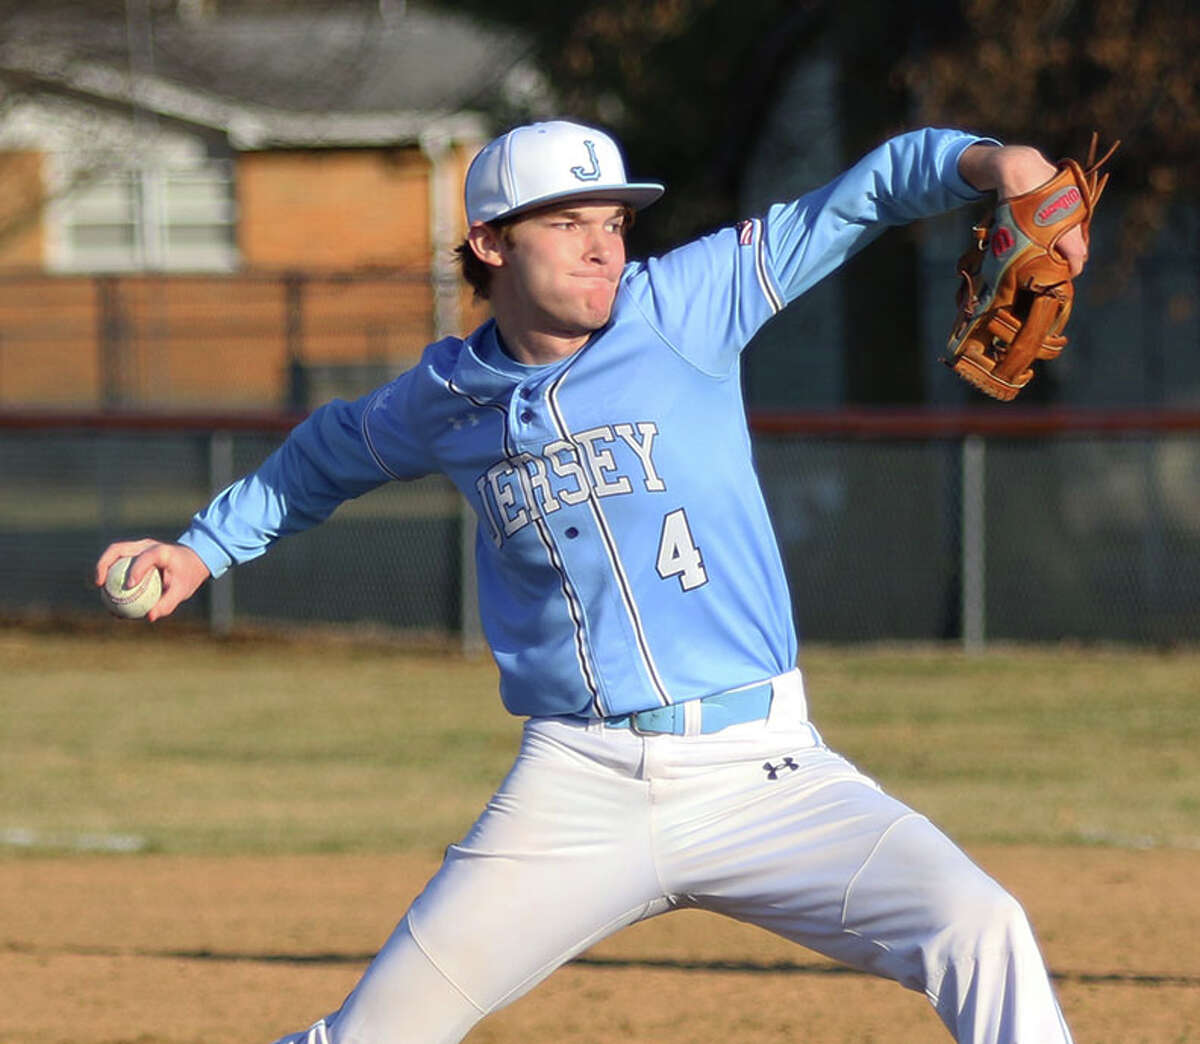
(561, 267)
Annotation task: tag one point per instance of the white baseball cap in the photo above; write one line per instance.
(541, 163)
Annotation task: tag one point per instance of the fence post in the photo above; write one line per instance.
(473, 643)
(974, 544)
(112, 336)
(298, 391)
(446, 290)
(220, 475)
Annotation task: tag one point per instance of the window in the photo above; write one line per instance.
(182, 220)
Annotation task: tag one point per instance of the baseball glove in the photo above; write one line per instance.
(1015, 293)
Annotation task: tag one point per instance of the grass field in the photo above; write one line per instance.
(192, 745)
(240, 823)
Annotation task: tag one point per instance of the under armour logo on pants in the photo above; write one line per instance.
(772, 771)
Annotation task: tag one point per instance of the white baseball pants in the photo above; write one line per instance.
(595, 828)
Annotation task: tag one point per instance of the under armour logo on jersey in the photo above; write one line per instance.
(458, 423)
(773, 771)
(583, 173)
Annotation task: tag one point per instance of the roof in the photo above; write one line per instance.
(344, 77)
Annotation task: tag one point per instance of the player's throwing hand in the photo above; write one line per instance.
(182, 570)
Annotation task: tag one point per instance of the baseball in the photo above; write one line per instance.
(130, 603)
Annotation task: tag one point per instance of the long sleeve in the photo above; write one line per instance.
(326, 460)
(709, 297)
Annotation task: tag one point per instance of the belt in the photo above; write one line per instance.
(716, 712)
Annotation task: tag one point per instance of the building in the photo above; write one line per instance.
(244, 210)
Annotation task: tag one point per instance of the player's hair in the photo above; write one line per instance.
(479, 275)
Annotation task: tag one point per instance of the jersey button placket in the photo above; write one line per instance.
(523, 416)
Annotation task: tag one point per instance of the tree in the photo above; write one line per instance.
(684, 84)
(1053, 72)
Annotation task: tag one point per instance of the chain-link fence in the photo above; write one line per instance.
(1083, 536)
(393, 557)
(920, 527)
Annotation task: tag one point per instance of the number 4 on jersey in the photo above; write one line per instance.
(678, 554)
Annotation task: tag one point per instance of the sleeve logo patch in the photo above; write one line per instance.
(1059, 206)
(745, 232)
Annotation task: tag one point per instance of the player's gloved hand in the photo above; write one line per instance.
(183, 571)
(1013, 170)
(1016, 292)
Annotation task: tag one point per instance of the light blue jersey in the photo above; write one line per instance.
(625, 556)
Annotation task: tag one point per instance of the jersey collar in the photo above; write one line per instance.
(478, 378)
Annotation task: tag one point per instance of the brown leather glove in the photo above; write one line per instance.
(1016, 293)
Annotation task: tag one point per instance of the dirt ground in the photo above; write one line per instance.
(149, 949)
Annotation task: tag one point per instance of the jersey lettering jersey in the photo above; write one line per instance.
(625, 555)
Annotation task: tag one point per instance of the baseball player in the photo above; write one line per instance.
(635, 601)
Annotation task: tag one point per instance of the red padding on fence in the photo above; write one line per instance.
(265, 421)
(1001, 422)
(998, 422)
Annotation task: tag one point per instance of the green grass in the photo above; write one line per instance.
(196, 745)
(1028, 744)
(311, 744)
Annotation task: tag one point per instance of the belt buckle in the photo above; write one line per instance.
(671, 712)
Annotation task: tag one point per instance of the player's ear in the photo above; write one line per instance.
(485, 243)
